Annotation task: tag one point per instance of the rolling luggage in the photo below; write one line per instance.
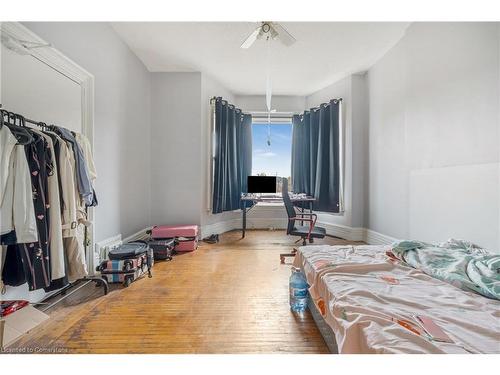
(127, 263)
(186, 235)
(162, 249)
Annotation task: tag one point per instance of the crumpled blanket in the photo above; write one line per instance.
(458, 262)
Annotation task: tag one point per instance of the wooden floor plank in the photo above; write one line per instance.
(230, 297)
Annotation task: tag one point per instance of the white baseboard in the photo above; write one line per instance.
(376, 238)
(219, 227)
(352, 234)
(358, 234)
(252, 223)
(139, 235)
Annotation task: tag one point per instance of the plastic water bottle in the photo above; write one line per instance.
(298, 291)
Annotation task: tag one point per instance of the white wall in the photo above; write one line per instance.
(176, 148)
(434, 135)
(38, 91)
(282, 103)
(498, 119)
(122, 121)
(360, 145)
(180, 130)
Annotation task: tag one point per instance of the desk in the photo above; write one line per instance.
(255, 198)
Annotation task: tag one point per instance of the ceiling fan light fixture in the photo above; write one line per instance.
(269, 30)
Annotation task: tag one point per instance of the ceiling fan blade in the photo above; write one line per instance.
(283, 35)
(251, 38)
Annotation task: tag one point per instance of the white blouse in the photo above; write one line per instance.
(16, 198)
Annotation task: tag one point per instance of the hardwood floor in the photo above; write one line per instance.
(230, 297)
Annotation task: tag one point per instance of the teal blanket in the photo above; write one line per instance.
(457, 262)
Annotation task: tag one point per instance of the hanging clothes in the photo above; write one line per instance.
(73, 239)
(46, 186)
(83, 179)
(56, 240)
(84, 144)
(56, 142)
(16, 208)
(13, 273)
(66, 165)
(36, 255)
(67, 190)
(16, 199)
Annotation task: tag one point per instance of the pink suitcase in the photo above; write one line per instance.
(186, 235)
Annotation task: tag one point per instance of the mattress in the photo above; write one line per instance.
(363, 295)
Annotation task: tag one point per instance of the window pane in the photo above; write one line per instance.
(273, 159)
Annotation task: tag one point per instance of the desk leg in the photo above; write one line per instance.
(302, 210)
(244, 221)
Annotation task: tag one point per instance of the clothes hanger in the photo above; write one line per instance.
(43, 125)
(20, 131)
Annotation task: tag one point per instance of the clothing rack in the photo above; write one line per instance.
(19, 120)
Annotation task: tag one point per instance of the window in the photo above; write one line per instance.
(272, 150)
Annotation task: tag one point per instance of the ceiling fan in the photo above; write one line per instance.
(269, 30)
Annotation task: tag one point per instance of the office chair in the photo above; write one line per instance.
(305, 232)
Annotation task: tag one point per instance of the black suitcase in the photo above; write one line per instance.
(127, 263)
(128, 250)
(162, 249)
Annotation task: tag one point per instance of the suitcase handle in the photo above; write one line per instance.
(140, 241)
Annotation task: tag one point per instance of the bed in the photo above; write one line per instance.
(361, 299)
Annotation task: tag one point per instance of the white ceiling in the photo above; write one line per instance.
(324, 52)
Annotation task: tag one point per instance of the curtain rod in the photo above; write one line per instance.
(324, 104)
(214, 98)
(291, 114)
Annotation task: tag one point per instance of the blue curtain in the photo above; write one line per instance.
(315, 155)
(233, 156)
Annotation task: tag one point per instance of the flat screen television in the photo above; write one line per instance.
(261, 184)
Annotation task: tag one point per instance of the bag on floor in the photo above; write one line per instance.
(186, 235)
(127, 263)
(162, 249)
